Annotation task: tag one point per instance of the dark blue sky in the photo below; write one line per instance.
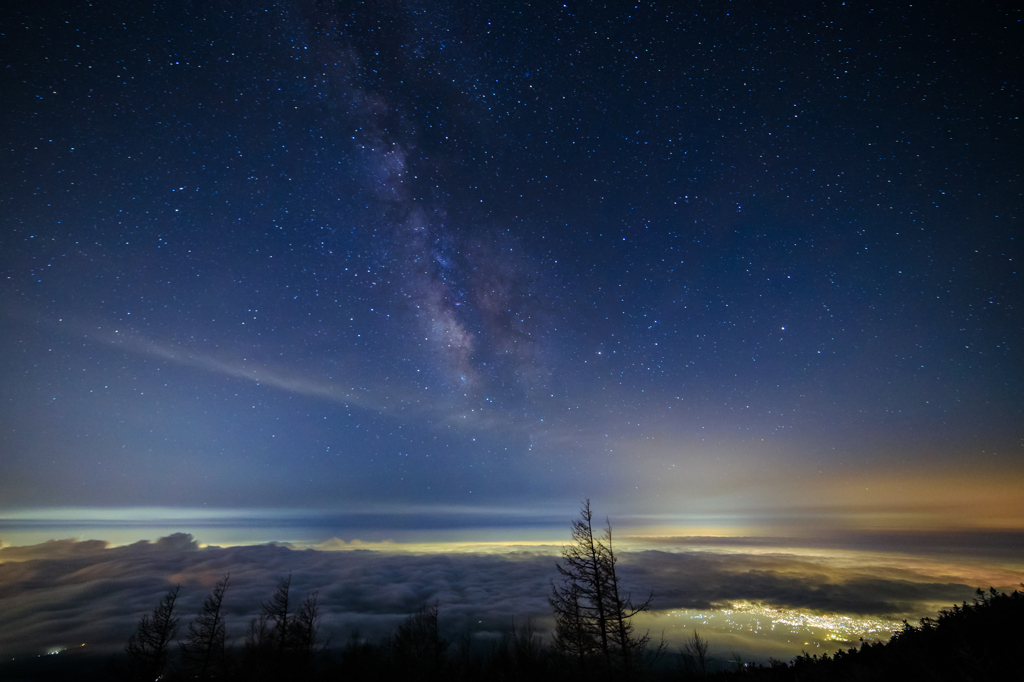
(685, 259)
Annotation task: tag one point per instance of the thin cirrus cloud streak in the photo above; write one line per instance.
(467, 413)
(362, 397)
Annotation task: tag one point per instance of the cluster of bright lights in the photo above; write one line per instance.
(835, 627)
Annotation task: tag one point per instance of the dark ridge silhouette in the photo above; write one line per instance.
(980, 641)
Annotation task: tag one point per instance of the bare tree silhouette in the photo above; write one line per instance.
(148, 647)
(203, 647)
(417, 648)
(695, 653)
(592, 612)
(280, 644)
(304, 637)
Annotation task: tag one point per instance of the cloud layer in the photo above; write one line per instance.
(67, 592)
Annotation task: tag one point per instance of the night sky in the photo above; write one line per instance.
(737, 263)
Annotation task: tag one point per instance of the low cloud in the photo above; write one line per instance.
(66, 592)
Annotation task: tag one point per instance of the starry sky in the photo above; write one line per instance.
(712, 265)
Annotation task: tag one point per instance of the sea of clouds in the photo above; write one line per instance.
(65, 593)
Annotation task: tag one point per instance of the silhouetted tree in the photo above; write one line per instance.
(695, 654)
(203, 648)
(149, 646)
(573, 636)
(519, 656)
(279, 644)
(627, 647)
(361, 659)
(464, 665)
(579, 602)
(267, 639)
(526, 650)
(592, 612)
(417, 648)
(304, 636)
(278, 612)
(259, 652)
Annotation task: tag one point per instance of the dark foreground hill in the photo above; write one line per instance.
(982, 641)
